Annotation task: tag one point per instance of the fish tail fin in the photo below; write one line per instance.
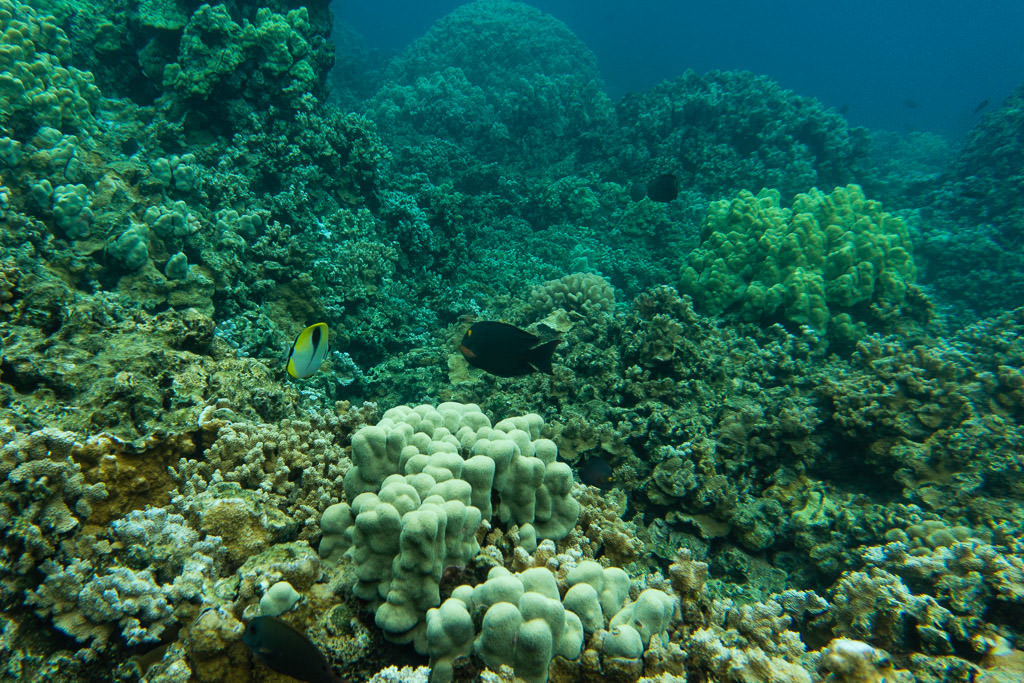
(540, 356)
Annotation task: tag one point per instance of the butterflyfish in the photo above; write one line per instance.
(308, 351)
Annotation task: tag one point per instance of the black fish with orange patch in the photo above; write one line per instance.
(505, 350)
(287, 651)
(664, 188)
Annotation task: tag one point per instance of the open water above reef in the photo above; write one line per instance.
(916, 65)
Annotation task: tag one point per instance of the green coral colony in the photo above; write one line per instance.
(808, 408)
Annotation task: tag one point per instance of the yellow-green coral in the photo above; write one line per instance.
(823, 262)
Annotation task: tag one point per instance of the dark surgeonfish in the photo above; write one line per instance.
(505, 350)
(287, 651)
(308, 351)
(664, 188)
(596, 471)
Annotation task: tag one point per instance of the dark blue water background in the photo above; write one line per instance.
(893, 64)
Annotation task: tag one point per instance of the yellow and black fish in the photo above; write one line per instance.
(505, 350)
(308, 351)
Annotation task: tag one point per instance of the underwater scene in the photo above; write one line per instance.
(322, 362)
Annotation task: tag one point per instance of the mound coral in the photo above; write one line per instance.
(503, 80)
(38, 86)
(585, 295)
(728, 130)
(833, 262)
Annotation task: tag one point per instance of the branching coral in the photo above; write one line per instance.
(43, 495)
(295, 463)
(159, 564)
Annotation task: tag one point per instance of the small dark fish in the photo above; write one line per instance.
(287, 651)
(505, 350)
(844, 109)
(596, 471)
(981, 105)
(664, 188)
(910, 103)
(637, 191)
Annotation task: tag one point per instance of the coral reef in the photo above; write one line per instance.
(972, 221)
(793, 466)
(987, 180)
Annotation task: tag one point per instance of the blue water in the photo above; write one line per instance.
(902, 66)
